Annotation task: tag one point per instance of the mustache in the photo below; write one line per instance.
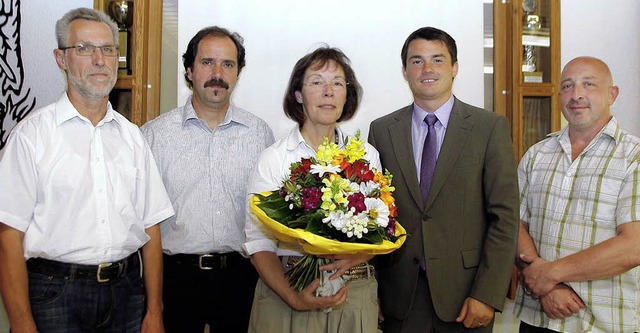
(216, 82)
(99, 71)
(573, 103)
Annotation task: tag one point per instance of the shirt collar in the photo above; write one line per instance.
(296, 140)
(443, 112)
(231, 116)
(66, 111)
(612, 130)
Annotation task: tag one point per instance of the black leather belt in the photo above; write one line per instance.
(205, 261)
(101, 273)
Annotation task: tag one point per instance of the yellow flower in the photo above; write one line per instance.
(387, 198)
(337, 159)
(355, 148)
(327, 151)
(335, 192)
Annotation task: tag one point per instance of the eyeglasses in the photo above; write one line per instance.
(320, 85)
(89, 50)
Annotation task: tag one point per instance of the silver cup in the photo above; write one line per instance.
(122, 12)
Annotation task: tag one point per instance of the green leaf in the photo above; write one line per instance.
(373, 237)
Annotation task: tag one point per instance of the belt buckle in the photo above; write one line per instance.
(100, 267)
(208, 255)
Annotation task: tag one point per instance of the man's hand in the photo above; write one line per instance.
(152, 323)
(14, 280)
(24, 327)
(475, 313)
(561, 302)
(536, 277)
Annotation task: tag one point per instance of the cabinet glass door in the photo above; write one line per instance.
(536, 41)
(536, 114)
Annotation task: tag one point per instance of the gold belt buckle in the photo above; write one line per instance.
(200, 261)
(100, 267)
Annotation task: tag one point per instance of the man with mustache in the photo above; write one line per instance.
(81, 194)
(205, 151)
(455, 177)
(579, 243)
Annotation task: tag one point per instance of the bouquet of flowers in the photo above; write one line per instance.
(334, 203)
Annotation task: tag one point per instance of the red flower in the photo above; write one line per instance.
(356, 201)
(358, 172)
(301, 169)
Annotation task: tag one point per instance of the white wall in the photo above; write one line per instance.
(608, 30)
(277, 33)
(370, 32)
(38, 42)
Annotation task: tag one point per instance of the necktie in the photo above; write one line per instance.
(428, 165)
(429, 157)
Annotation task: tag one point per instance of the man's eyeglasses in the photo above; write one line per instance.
(320, 85)
(90, 50)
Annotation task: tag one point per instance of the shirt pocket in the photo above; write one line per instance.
(129, 191)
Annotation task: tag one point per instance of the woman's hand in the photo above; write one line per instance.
(343, 262)
(306, 298)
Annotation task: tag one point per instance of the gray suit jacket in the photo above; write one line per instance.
(469, 225)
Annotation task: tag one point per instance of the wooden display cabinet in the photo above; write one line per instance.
(526, 71)
(522, 69)
(136, 94)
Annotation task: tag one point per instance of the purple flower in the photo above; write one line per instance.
(311, 198)
(391, 227)
(356, 201)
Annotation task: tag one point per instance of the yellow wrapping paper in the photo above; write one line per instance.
(318, 245)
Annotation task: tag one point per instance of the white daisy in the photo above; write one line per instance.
(322, 169)
(378, 211)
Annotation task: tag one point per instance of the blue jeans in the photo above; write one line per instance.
(68, 305)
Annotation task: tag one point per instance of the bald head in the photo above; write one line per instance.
(586, 94)
(596, 65)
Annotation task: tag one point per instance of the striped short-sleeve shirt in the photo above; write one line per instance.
(573, 205)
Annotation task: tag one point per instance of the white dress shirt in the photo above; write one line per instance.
(269, 174)
(206, 172)
(81, 194)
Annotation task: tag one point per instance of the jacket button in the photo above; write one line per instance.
(416, 261)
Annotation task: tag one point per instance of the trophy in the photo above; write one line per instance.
(122, 12)
(532, 25)
(528, 59)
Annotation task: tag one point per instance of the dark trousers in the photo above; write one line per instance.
(422, 317)
(70, 304)
(220, 297)
(526, 328)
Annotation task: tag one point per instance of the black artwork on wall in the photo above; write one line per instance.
(16, 101)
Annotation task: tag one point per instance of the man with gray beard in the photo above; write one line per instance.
(81, 195)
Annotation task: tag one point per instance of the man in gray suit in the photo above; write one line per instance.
(457, 199)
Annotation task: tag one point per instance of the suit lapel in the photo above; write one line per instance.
(455, 138)
(400, 134)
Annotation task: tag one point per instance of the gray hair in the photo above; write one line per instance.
(62, 26)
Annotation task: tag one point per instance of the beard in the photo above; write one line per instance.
(91, 90)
